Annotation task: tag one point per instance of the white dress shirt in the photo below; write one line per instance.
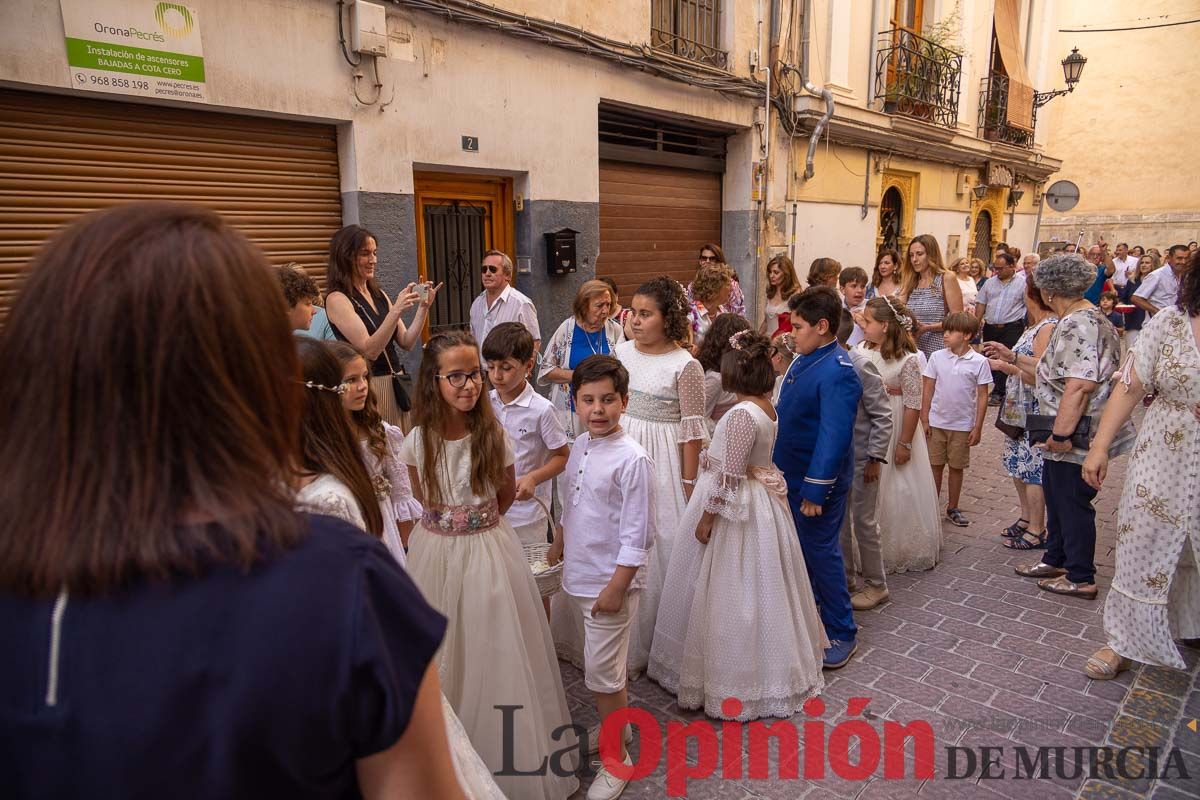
(510, 306)
(954, 396)
(1123, 265)
(1160, 287)
(608, 517)
(535, 430)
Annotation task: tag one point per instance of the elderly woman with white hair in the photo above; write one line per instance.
(1074, 379)
(1029, 263)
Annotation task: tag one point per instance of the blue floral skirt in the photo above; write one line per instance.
(1023, 462)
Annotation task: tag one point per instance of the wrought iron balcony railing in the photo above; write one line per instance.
(917, 78)
(689, 29)
(993, 114)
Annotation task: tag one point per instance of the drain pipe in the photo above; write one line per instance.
(826, 95)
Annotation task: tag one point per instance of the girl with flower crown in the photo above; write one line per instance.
(738, 618)
(910, 531)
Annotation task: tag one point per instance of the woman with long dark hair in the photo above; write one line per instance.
(361, 314)
(183, 628)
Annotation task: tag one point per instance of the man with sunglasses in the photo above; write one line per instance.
(501, 302)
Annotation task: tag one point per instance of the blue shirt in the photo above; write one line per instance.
(228, 685)
(1093, 294)
(584, 344)
(818, 404)
(320, 327)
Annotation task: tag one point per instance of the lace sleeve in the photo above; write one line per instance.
(404, 504)
(724, 498)
(911, 385)
(690, 386)
(557, 351)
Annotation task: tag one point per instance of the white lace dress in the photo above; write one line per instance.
(666, 410)
(467, 561)
(910, 527)
(390, 478)
(738, 618)
(329, 496)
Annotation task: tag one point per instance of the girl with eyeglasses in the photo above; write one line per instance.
(466, 559)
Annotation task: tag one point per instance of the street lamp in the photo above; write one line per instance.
(1072, 68)
(980, 191)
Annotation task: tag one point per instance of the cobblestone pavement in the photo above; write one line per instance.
(988, 660)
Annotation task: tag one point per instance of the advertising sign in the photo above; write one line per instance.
(140, 47)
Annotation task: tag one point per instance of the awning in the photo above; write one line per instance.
(1020, 87)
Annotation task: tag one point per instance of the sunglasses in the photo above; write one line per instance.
(492, 268)
(459, 379)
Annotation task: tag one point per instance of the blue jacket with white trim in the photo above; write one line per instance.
(818, 403)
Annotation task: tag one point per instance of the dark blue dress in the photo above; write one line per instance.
(261, 685)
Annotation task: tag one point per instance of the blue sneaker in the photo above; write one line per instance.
(838, 654)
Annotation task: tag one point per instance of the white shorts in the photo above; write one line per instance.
(606, 643)
(532, 532)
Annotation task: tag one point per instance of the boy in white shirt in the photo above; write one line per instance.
(953, 405)
(607, 531)
(537, 434)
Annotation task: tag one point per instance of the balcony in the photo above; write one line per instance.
(917, 78)
(993, 114)
(688, 29)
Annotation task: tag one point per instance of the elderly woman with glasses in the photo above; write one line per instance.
(589, 331)
(1073, 382)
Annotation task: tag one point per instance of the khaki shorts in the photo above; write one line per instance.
(949, 447)
(606, 643)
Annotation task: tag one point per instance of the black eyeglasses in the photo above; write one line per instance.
(489, 268)
(459, 379)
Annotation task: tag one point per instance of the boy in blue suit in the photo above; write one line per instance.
(817, 406)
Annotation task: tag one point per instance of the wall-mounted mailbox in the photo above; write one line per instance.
(561, 253)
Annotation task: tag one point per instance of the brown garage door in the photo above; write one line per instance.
(653, 221)
(61, 157)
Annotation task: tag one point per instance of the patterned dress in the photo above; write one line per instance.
(1021, 460)
(1155, 594)
(928, 305)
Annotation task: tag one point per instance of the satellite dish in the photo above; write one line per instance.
(1062, 195)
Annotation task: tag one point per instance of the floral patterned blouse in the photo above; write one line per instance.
(1084, 345)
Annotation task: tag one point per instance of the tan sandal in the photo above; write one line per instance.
(1062, 585)
(1039, 570)
(1105, 664)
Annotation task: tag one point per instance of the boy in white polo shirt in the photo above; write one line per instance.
(537, 434)
(953, 405)
(607, 531)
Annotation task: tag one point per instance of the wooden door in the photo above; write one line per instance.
(459, 218)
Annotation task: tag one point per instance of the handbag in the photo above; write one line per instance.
(1011, 431)
(1040, 426)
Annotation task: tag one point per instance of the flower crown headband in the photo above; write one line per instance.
(339, 389)
(904, 320)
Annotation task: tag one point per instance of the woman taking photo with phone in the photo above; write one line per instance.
(361, 314)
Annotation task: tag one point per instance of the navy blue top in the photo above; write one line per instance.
(259, 685)
(1134, 319)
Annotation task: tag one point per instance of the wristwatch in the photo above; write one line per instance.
(1058, 438)
(905, 445)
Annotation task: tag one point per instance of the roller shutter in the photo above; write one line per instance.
(653, 221)
(61, 157)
